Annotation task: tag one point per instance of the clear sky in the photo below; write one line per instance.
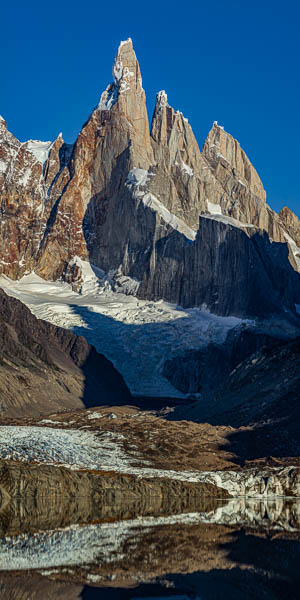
(232, 61)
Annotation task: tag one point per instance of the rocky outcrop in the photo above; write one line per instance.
(203, 371)
(115, 138)
(45, 368)
(291, 224)
(274, 371)
(230, 161)
(32, 178)
(183, 181)
(261, 397)
(244, 197)
(226, 269)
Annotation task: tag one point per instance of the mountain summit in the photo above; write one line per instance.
(188, 226)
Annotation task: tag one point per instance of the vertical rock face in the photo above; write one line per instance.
(124, 103)
(115, 138)
(28, 172)
(224, 152)
(183, 179)
(226, 269)
(244, 197)
(291, 223)
(129, 200)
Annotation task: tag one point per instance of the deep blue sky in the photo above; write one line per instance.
(231, 61)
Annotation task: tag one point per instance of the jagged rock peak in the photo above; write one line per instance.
(2, 122)
(291, 223)
(126, 75)
(221, 147)
(161, 100)
(165, 119)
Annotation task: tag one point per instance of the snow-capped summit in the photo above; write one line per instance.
(127, 78)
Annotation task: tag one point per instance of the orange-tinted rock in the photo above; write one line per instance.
(121, 191)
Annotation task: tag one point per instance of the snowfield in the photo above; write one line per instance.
(136, 335)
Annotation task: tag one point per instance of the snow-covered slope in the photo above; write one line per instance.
(136, 335)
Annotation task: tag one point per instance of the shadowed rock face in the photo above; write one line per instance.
(274, 371)
(226, 269)
(45, 368)
(129, 200)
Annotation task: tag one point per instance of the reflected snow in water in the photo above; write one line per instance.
(233, 549)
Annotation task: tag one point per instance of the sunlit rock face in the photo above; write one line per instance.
(28, 172)
(129, 199)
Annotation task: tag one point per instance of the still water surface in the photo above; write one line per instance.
(226, 549)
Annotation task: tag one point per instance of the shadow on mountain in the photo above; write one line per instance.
(44, 368)
(96, 326)
(277, 421)
(102, 383)
(276, 441)
(233, 273)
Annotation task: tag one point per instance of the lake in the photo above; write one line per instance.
(238, 548)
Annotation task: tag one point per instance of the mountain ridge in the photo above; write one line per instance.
(125, 192)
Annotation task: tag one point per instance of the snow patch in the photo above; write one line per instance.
(91, 416)
(152, 202)
(214, 209)
(187, 169)
(128, 41)
(3, 166)
(117, 70)
(161, 99)
(227, 220)
(178, 112)
(90, 279)
(39, 149)
(295, 249)
(69, 447)
(123, 284)
(138, 177)
(108, 97)
(217, 125)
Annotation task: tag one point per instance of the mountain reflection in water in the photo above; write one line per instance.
(233, 549)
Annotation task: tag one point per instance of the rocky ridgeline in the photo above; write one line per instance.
(45, 368)
(129, 199)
